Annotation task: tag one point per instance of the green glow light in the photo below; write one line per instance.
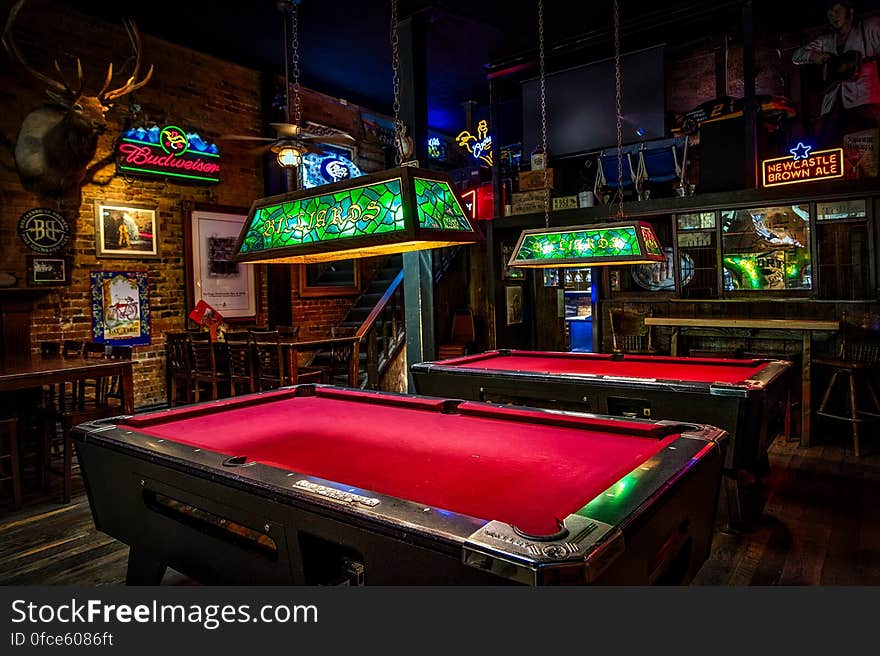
(623, 243)
(395, 211)
(438, 207)
(367, 210)
(189, 176)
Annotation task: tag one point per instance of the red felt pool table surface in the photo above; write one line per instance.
(702, 370)
(525, 467)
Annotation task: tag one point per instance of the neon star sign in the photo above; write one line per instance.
(803, 165)
(800, 151)
(480, 146)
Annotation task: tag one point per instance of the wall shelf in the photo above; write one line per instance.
(714, 201)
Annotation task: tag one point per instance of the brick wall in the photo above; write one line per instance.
(190, 89)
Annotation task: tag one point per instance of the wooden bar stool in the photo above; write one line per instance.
(857, 360)
(9, 454)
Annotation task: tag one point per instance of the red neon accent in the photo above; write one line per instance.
(510, 70)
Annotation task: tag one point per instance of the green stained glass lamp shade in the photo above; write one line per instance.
(398, 210)
(632, 242)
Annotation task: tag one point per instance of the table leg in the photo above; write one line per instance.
(127, 390)
(806, 374)
(673, 345)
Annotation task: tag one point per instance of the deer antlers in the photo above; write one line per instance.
(58, 90)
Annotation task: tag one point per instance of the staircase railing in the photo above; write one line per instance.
(443, 260)
(386, 319)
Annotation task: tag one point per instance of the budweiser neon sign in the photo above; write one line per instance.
(168, 152)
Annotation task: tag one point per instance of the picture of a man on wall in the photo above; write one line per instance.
(848, 56)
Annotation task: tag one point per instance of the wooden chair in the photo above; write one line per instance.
(857, 359)
(240, 362)
(114, 383)
(629, 334)
(340, 357)
(268, 359)
(205, 368)
(178, 368)
(9, 455)
(462, 336)
(94, 399)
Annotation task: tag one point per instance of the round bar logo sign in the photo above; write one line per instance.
(44, 230)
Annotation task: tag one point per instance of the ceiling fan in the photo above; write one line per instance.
(292, 141)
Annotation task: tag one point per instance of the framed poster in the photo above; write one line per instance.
(120, 307)
(514, 303)
(126, 230)
(213, 276)
(48, 270)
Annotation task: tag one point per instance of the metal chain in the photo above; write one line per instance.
(616, 12)
(541, 66)
(294, 25)
(399, 126)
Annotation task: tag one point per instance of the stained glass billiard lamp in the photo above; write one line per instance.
(398, 210)
(629, 242)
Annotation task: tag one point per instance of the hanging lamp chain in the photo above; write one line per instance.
(294, 38)
(541, 67)
(399, 126)
(617, 98)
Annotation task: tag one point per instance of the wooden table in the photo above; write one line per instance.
(35, 371)
(805, 326)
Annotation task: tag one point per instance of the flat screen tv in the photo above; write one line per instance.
(581, 113)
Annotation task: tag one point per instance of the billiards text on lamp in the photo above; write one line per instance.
(629, 242)
(394, 211)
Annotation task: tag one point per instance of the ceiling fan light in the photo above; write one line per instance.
(288, 157)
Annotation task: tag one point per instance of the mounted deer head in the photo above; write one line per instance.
(57, 141)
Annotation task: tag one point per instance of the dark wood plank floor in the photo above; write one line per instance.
(821, 526)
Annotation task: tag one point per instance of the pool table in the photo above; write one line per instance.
(742, 396)
(320, 485)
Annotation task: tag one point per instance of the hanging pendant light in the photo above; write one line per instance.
(627, 242)
(394, 211)
(619, 242)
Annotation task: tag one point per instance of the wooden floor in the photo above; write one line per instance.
(821, 526)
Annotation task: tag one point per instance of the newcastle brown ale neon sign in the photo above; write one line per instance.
(168, 152)
(803, 165)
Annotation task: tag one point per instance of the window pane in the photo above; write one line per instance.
(696, 221)
(843, 260)
(767, 248)
(840, 209)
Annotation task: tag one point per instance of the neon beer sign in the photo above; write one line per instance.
(803, 165)
(167, 152)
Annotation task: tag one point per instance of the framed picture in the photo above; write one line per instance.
(514, 298)
(48, 270)
(210, 235)
(120, 307)
(337, 278)
(126, 230)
